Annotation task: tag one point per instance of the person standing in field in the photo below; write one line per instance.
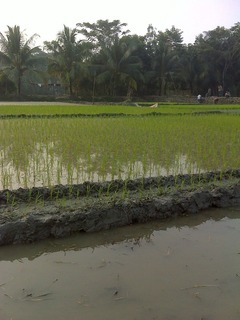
(227, 94)
(209, 93)
(199, 98)
(220, 90)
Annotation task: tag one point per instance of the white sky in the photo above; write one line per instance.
(47, 17)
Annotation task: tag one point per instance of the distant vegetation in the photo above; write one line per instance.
(104, 61)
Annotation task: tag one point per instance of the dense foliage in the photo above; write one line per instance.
(105, 59)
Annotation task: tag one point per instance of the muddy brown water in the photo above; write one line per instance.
(183, 268)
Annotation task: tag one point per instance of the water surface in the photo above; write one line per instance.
(183, 268)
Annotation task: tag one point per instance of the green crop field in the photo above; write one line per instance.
(50, 151)
(44, 109)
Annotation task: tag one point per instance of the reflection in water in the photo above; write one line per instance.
(43, 152)
(49, 171)
(184, 268)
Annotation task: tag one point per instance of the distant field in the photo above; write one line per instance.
(47, 108)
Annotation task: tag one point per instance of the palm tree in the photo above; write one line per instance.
(17, 56)
(67, 55)
(218, 51)
(163, 49)
(119, 68)
(189, 68)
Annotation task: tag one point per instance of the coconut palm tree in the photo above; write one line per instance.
(119, 69)
(164, 49)
(18, 55)
(66, 56)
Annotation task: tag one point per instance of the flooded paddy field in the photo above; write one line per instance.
(37, 152)
(180, 268)
(186, 267)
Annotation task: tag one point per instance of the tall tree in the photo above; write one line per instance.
(218, 50)
(234, 70)
(67, 55)
(18, 55)
(189, 70)
(103, 33)
(115, 68)
(119, 69)
(164, 49)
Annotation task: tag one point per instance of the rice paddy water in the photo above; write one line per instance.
(185, 268)
(46, 152)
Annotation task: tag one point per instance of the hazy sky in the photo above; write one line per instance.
(47, 17)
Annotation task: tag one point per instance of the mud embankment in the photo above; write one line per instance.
(29, 215)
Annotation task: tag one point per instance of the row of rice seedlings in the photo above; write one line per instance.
(45, 152)
(73, 109)
(45, 163)
(44, 109)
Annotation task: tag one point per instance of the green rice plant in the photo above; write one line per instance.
(8, 197)
(44, 152)
(62, 202)
(56, 195)
(30, 195)
(100, 192)
(124, 191)
(70, 108)
(78, 194)
(39, 199)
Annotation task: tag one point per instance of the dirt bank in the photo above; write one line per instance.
(29, 215)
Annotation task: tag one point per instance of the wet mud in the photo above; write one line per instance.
(30, 215)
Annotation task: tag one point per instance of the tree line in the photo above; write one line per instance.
(105, 59)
